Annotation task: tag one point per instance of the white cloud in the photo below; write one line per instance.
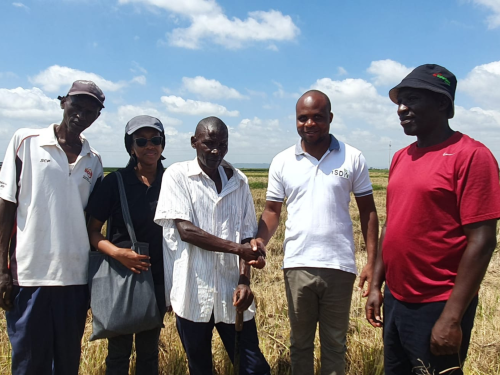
(273, 47)
(23, 108)
(59, 78)
(493, 20)
(210, 88)
(177, 104)
(387, 72)
(185, 7)
(141, 80)
(282, 94)
(21, 5)
(341, 71)
(208, 22)
(138, 67)
(483, 84)
(8, 75)
(358, 99)
(29, 105)
(258, 140)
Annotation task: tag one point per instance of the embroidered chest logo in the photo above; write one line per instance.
(344, 173)
(88, 175)
(44, 160)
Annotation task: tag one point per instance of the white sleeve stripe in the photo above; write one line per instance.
(362, 194)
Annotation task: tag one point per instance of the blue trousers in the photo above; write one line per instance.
(197, 341)
(407, 337)
(45, 328)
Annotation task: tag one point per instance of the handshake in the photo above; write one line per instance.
(253, 253)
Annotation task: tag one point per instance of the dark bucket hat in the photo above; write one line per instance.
(429, 77)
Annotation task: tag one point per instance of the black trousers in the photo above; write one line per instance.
(146, 348)
(407, 337)
(197, 341)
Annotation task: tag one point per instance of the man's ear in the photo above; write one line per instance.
(444, 103)
(62, 101)
(331, 117)
(193, 141)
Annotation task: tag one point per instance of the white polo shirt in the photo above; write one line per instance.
(52, 242)
(199, 282)
(319, 228)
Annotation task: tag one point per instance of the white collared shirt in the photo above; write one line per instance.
(319, 228)
(197, 281)
(52, 242)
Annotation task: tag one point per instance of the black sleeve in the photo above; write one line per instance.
(104, 198)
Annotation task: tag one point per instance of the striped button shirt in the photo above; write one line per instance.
(199, 282)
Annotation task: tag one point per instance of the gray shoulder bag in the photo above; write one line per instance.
(122, 302)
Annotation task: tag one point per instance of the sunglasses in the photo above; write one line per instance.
(142, 142)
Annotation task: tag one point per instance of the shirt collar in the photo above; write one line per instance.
(334, 146)
(130, 178)
(194, 168)
(48, 138)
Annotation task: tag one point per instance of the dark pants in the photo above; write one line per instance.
(197, 341)
(146, 348)
(407, 337)
(45, 328)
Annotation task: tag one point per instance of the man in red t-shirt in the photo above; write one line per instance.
(443, 202)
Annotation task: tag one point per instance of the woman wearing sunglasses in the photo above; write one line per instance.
(144, 142)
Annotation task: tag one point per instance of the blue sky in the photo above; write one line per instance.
(246, 62)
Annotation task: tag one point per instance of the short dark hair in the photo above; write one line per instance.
(328, 103)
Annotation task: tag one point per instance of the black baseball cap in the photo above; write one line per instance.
(431, 77)
(82, 87)
(143, 121)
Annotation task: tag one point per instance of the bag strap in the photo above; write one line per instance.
(125, 211)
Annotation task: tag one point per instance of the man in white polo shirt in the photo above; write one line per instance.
(46, 179)
(316, 177)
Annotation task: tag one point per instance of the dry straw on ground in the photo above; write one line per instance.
(364, 346)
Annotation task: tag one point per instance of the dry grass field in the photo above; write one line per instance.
(364, 353)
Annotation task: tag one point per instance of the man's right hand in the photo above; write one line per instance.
(258, 246)
(6, 290)
(246, 252)
(133, 261)
(373, 307)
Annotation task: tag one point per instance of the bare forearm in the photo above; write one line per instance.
(379, 269)
(102, 244)
(7, 219)
(268, 224)
(471, 270)
(204, 240)
(244, 273)
(369, 228)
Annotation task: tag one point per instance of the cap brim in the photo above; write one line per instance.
(89, 94)
(418, 84)
(135, 128)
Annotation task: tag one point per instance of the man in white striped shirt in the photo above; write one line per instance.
(208, 216)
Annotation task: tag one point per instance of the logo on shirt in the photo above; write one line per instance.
(344, 173)
(446, 154)
(88, 176)
(44, 160)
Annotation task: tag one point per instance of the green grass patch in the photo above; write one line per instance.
(258, 185)
(378, 187)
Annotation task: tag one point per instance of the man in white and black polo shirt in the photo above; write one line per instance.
(45, 182)
(316, 177)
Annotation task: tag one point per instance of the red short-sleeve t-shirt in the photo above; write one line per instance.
(432, 193)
